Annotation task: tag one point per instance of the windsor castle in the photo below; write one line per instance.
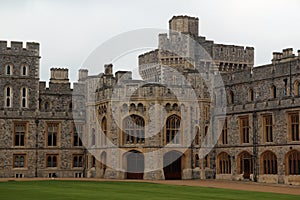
(201, 111)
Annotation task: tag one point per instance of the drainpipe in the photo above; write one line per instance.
(36, 147)
(255, 150)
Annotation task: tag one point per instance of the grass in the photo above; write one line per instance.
(88, 190)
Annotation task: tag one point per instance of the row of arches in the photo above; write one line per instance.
(133, 129)
(268, 163)
(135, 165)
(141, 107)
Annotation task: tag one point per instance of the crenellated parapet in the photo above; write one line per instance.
(286, 55)
(17, 48)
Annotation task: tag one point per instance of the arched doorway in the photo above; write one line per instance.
(135, 165)
(246, 164)
(172, 165)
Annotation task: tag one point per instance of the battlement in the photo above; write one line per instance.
(31, 48)
(59, 75)
(285, 54)
(83, 74)
(149, 57)
(184, 24)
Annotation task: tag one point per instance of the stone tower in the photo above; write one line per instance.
(184, 24)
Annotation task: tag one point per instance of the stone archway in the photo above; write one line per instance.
(245, 164)
(135, 165)
(172, 165)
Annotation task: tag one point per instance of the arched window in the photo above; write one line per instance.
(250, 95)
(8, 69)
(24, 94)
(273, 91)
(269, 163)
(77, 160)
(8, 97)
(224, 163)
(231, 98)
(47, 106)
(134, 127)
(293, 163)
(104, 131)
(24, 70)
(173, 129)
(51, 160)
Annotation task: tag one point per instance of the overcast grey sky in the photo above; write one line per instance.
(68, 31)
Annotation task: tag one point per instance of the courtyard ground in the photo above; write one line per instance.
(233, 185)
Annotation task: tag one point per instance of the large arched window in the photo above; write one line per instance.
(224, 163)
(269, 163)
(293, 163)
(173, 129)
(24, 94)
(104, 131)
(134, 129)
(8, 97)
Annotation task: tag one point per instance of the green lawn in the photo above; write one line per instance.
(83, 190)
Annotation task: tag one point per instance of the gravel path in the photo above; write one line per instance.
(236, 185)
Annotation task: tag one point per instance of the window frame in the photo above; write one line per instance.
(223, 127)
(75, 127)
(6, 96)
(15, 124)
(10, 70)
(52, 161)
(244, 139)
(134, 134)
(58, 124)
(19, 166)
(171, 134)
(22, 97)
(290, 127)
(77, 165)
(224, 163)
(26, 67)
(268, 131)
(269, 163)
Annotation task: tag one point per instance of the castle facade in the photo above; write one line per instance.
(202, 111)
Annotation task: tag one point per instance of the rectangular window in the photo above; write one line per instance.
(52, 160)
(77, 135)
(294, 127)
(224, 136)
(268, 128)
(20, 130)
(77, 160)
(52, 134)
(244, 129)
(19, 160)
